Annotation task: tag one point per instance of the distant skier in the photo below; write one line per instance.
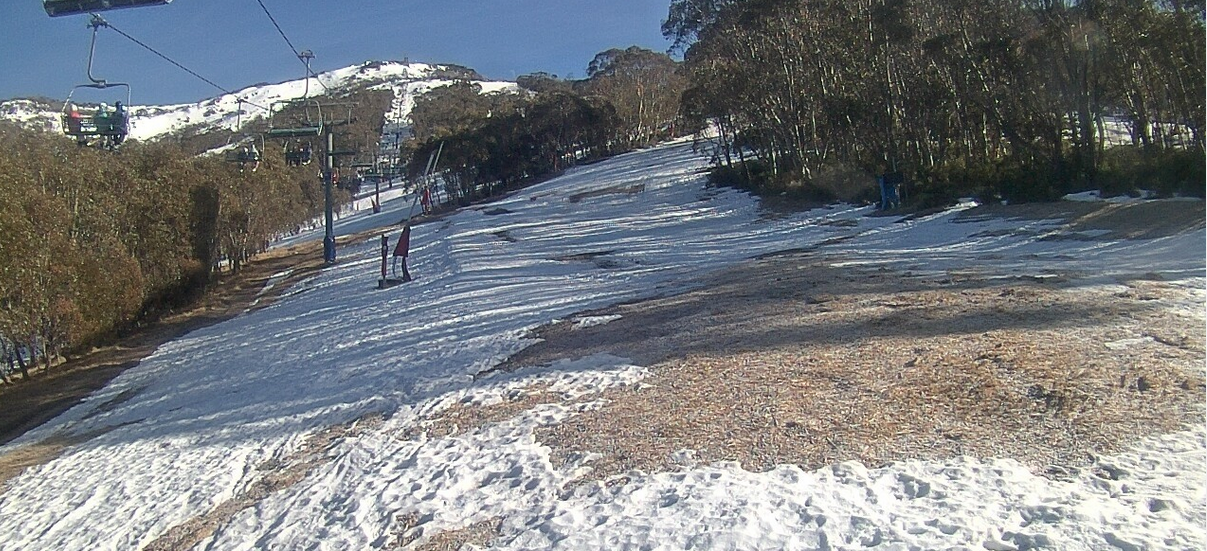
(426, 200)
(402, 249)
(890, 190)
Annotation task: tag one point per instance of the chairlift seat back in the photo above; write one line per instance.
(93, 124)
(299, 132)
(59, 8)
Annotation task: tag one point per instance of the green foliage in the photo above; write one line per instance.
(448, 110)
(490, 143)
(990, 181)
(1169, 172)
(542, 83)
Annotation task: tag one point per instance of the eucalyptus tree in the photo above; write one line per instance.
(945, 90)
(645, 89)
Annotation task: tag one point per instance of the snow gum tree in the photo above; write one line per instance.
(1018, 96)
(645, 89)
(92, 242)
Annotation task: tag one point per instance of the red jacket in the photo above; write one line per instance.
(404, 243)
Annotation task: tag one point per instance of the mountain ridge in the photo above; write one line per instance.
(406, 79)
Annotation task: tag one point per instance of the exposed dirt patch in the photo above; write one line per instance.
(855, 368)
(786, 360)
(477, 534)
(1134, 220)
(790, 360)
(614, 190)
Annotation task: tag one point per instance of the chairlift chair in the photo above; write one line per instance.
(246, 154)
(298, 152)
(109, 128)
(97, 126)
(311, 126)
(59, 8)
(364, 169)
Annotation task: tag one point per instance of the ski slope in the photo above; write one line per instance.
(216, 415)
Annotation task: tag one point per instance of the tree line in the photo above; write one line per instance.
(1010, 99)
(92, 242)
(488, 143)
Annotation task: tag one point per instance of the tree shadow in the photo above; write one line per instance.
(788, 300)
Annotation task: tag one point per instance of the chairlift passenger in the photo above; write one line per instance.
(253, 156)
(74, 121)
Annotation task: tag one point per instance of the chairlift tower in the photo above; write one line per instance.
(317, 125)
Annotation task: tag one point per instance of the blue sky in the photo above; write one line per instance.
(233, 43)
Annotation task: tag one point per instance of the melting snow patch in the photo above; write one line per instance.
(1124, 344)
(591, 321)
(1146, 499)
(222, 402)
(1085, 196)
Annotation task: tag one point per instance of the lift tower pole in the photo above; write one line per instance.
(329, 163)
(328, 182)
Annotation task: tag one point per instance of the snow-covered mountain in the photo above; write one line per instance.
(152, 122)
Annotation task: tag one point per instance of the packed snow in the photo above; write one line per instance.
(204, 418)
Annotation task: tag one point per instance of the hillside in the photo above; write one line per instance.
(626, 356)
(220, 114)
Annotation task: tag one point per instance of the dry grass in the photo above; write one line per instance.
(815, 365)
(789, 360)
(613, 190)
(408, 532)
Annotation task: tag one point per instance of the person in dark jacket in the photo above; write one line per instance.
(402, 249)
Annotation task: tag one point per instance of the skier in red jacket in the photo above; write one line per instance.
(402, 249)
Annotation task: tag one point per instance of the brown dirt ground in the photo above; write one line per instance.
(789, 360)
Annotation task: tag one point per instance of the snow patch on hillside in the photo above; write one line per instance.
(153, 122)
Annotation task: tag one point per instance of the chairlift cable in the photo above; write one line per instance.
(296, 53)
(278, 26)
(177, 64)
